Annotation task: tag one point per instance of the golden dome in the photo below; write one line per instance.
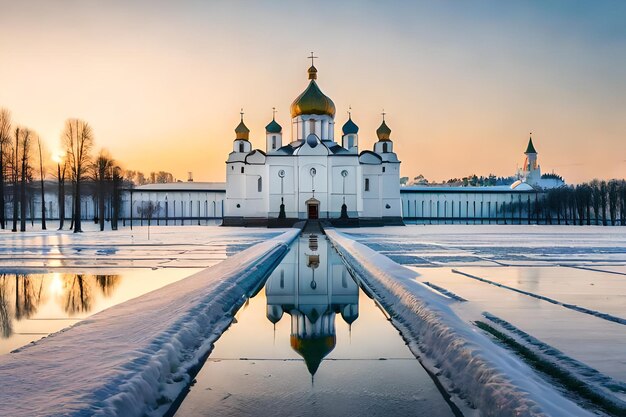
(312, 100)
(242, 131)
(383, 132)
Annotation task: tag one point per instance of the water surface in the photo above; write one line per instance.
(35, 305)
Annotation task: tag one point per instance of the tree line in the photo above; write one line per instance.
(79, 172)
(592, 203)
(597, 202)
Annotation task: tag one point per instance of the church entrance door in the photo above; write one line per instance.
(312, 211)
(312, 208)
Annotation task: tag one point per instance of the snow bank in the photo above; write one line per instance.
(135, 358)
(488, 378)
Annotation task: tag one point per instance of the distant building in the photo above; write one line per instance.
(530, 173)
(515, 203)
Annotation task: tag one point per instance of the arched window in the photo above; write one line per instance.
(367, 184)
(385, 148)
(274, 142)
(259, 184)
(240, 146)
(383, 169)
(242, 170)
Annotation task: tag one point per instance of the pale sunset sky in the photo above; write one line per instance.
(463, 83)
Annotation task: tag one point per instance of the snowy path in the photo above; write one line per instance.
(134, 358)
(467, 361)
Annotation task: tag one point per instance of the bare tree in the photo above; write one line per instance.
(147, 210)
(77, 139)
(15, 176)
(19, 164)
(117, 181)
(102, 174)
(61, 174)
(603, 201)
(42, 176)
(5, 140)
(613, 197)
(596, 199)
(26, 141)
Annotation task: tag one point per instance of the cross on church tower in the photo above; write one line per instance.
(241, 113)
(273, 113)
(383, 113)
(312, 59)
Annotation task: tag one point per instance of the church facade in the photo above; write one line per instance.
(311, 175)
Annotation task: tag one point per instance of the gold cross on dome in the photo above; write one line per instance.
(383, 113)
(241, 113)
(312, 58)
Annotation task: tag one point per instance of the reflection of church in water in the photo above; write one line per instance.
(312, 285)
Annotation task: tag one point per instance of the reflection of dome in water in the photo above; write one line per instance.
(313, 350)
(350, 312)
(274, 313)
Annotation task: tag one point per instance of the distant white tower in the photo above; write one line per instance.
(531, 171)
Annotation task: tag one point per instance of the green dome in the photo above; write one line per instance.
(383, 132)
(350, 127)
(273, 127)
(312, 100)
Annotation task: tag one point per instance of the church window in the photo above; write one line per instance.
(241, 147)
(383, 169)
(274, 142)
(367, 184)
(260, 184)
(242, 170)
(232, 167)
(385, 148)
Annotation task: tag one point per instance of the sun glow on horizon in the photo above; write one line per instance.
(162, 85)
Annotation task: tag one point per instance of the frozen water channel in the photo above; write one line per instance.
(312, 343)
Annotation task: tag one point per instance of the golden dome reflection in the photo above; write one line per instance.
(313, 350)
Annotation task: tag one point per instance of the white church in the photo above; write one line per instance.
(311, 175)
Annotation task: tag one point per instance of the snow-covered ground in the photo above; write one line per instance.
(166, 247)
(559, 292)
(133, 358)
